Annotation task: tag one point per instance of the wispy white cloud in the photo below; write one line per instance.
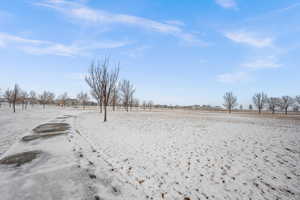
(272, 14)
(56, 49)
(7, 38)
(269, 62)
(292, 6)
(262, 63)
(232, 77)
(86, 14)
(175, 22)
(226, 3)
(249, 38)
(43, 47)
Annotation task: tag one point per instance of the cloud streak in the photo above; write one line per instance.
(287, 8)
(232, 77)
(226, 3)
(82, 13)
(254, 65)
(249, 39)
(43, 47)
(263, 63)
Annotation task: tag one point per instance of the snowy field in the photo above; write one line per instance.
(151, 155)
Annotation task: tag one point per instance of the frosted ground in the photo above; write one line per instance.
(151, 155)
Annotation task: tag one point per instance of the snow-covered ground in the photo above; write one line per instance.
(153, 155)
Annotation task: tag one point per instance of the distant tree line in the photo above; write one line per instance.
(262, 102)
(17, 96)
(115, 94)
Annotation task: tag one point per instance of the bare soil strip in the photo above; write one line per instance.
(20, 158)
(51, 127)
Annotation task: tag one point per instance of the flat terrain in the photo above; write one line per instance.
(152, 155)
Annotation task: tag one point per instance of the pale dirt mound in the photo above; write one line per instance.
(34, 137)
(47, 130)
(51, 127)
(20, 158)
(65, 117)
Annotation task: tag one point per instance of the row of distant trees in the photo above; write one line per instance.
(261, 101)
(16, 96)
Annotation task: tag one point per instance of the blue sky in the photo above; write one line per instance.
(175, 52)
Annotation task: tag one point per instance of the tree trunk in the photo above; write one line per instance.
(286, 109)
(14, 106)
(100, 106)
(105, 110)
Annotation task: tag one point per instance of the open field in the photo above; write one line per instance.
(151, 155)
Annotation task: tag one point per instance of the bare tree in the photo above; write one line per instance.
(50, 98)
(23, 97)
(297, 99)
(241, 107)
(115, 98)
(1, 96)
(259, 100)
(32, 97)
(150, 105)
(83, 98)
(136, 103)
(43, 98)
(250, 107)
(62, 99)
(15, 95)
(126, 90)
(103, 81)
(230, 101)
(286, 102)
(94, 80)
(109, 83)
(8, 96)
(144, 105)
(273, 102)
(46, 98)
(131, 103)
(296, 108)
